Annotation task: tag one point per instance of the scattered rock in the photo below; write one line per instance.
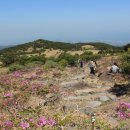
(112, 97)
(113, 122)
(49, 95)
(103, 98)
(84, 92)
(93, 104)
(51, 99)
(101, 93)
(72, 83)
(79, 77)
(98, 86)
(87, 111)
(77, 98)
(71, 128)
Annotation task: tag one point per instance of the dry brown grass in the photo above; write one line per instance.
(81, 52)
(94, 51)
(30, 49)
(57, 52)
(75, 52)
(52, 52)
(88, 47)
(3, 70)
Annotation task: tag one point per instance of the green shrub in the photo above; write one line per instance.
(86, 56)
(15, 67)
(53, 59)
(126, 57)
(127, 47)
(40, 58)
(8, 59)
(63, 63)
(126, 63)
(88, 53)
(33, 64)
(96, 56)
(126, 67)
(50, 64)
(22, 60)
(69, 58)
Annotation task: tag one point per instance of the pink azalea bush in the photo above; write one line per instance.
(123, 110)
(43, 121)
(17, 89)
(24, 125)
(16, 112)
(8, 124)
(51, 122)
(17, 74)
(8, 95)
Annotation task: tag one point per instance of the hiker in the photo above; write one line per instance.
(92, 67)
(114, 68)
(81, 64)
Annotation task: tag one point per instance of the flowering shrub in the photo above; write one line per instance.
(8, 95)
(24, 125)
(51, 122)
(123, 110)
(42, 121)
(16, 111)
(8, 124)
(16, 89)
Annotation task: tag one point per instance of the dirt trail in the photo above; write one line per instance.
(88, 93)
(85, 93)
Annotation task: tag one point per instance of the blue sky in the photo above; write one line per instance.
(64, 20)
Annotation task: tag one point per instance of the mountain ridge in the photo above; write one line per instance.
(42, 44)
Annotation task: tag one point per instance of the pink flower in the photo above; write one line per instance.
(31, 120)
(24, 125)
(42, 121)
(122, 110)
(25, 82)
(122, 115)
(8, 123)
(51, 122)
(127, 104)
(128, 115)
(17, 74)
(8, 95)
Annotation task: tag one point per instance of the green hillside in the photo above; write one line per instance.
(127, 47)
(40, 45)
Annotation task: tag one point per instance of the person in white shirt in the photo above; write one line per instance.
(114, 68)
(92, 67)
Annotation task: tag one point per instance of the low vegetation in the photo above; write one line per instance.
(126, 63)
(30, 100)
(39, 46)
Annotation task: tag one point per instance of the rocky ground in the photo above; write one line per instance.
(80, 92)
(88, 93)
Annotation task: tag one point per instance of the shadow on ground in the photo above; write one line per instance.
(120, 89)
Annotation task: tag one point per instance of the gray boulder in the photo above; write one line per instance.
(103, 98)
(72, 83)
(93, 104)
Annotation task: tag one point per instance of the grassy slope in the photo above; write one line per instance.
(45, 44)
